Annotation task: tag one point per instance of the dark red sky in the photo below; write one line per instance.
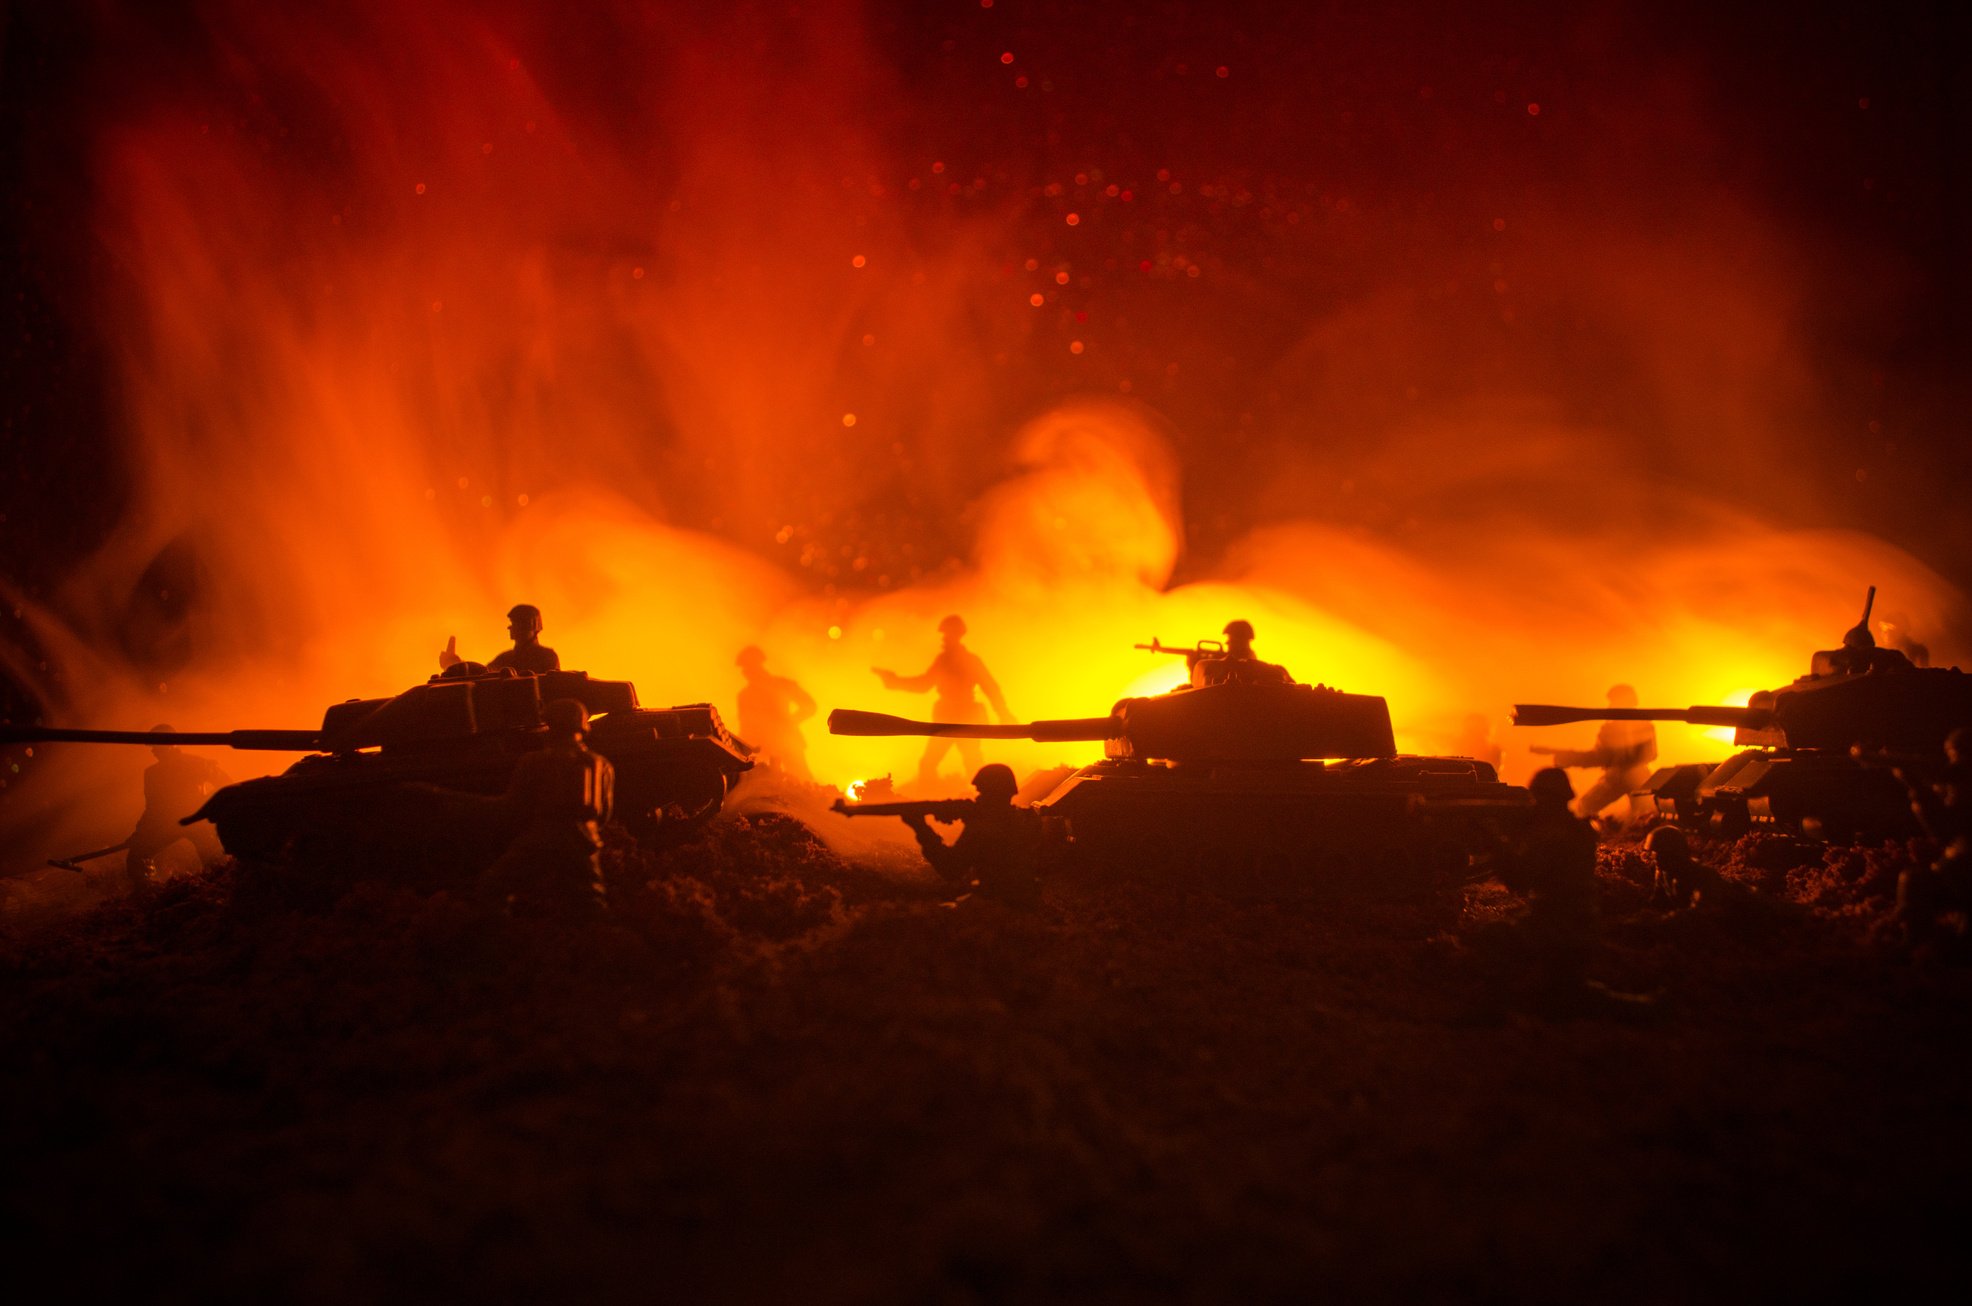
(1405, 218)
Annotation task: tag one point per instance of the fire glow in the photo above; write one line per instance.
(409, 326)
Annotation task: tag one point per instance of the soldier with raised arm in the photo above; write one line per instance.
(528, 652)
(953, 676)
(1623, 749)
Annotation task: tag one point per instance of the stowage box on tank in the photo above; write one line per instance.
(1239, 771)
(372, 787)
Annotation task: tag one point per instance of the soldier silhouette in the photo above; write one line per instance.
(771, 710)
(954, 674)
(995, 854)
(1623, 749)
(1237, 664)
(1551, 862)
(175, 786)
(527, 654)
(558, 800)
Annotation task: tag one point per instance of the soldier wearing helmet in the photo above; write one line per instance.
(1238, 664)
(175, 786)
(1551, 863)
(771, 710)
(995, 854)
(1932, 900)
(1623, 749)
(953, 676)
(528, 654)
(560, 797)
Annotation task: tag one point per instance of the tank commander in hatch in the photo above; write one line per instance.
(995, 854)
(953, 675)
(1623, 749)
(175, 786)
(771, 710)
(1238, 664)
(528, 654)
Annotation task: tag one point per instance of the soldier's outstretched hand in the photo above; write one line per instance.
(448, 657)
(889, 678)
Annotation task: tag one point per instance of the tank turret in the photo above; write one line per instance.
(1245, 773)
(1221, 722)
(372, 787)
(1857, 697)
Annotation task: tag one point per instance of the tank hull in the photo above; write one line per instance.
(435, 804)
(1396, 820)
(1802, 791)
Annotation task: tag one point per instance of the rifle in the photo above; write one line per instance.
(75, 863)
(1205, 648)
(944, 810)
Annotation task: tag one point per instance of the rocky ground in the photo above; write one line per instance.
(780, 1076)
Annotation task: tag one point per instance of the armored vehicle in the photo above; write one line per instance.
(1809, 749)
(1255, 769)
(414, 775)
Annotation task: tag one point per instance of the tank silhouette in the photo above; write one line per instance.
(1806, 762)
(1243, 772)
(410, 776)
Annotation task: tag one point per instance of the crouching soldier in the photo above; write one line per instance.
(996, 853)
(559, 799)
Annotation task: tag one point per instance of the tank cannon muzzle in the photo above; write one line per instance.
(248, 741)
(848, 721)
(1738, 718)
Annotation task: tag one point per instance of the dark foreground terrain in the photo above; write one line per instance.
(777, 1077)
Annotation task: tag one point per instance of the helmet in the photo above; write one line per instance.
(1239, 630)
(1668, 840)
(566, 715)
(995, 778)
(952, 625)
(163, 729)
(1958, 745)
(525, 614)
(1622, 696)
(750, 657)
(1552, 784)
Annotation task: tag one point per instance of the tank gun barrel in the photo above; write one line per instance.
(848, 721)
(1739, 718)
(250, 741)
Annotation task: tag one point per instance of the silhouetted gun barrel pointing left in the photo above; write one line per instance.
(946, 810)
(849, 721)
(1744, 718)
(253, 741)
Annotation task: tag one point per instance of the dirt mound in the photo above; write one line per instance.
(773, 1073)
